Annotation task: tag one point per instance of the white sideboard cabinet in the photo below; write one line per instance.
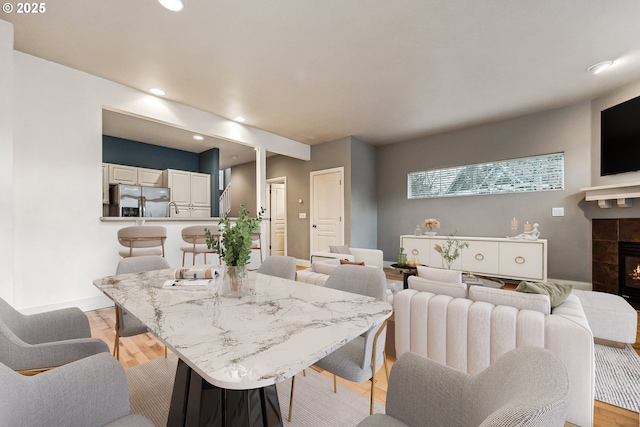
(500, 257)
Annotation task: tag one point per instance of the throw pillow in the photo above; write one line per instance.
(558, 292)
(340, 250)
(439, 274)
(344, 261)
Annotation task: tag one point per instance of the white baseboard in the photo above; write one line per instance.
(87, 304)
(583, 286)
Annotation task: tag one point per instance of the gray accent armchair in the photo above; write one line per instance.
(359, 359)
(279, 266)
(526, 387)
(41, 341)
(126, 324)
(91, 392)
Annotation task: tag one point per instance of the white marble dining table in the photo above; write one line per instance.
(270, 334)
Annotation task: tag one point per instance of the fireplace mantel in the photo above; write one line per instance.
(605, 195)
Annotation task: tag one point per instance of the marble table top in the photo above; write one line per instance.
(279, 328)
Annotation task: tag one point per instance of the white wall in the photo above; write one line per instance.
(61, 246)
(6, 162)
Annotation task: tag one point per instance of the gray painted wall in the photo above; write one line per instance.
(565, 129)
(364, 203)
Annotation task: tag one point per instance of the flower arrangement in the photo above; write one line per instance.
(450, 250)
(431, 223)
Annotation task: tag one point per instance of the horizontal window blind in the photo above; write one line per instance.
(539, 173)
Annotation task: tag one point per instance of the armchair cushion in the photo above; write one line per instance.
(325, 267)
(453, 289)
(519, 300)
(439, 274)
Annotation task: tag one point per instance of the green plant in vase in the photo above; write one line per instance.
(450, 250)
(234, 245)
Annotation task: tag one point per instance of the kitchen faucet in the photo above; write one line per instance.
(169, 208)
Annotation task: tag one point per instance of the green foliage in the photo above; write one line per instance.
(450, 249)
(234, 245)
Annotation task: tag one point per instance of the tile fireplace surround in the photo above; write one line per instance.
(606, 235)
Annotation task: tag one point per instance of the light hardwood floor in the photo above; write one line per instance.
(143, 348)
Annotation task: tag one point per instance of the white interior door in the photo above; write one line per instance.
(278, 223)
(327, 209)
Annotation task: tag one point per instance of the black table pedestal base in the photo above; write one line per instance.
(196, 403)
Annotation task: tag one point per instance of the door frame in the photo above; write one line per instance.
(311, 202)
(278, 180)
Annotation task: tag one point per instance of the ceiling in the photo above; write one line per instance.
(381, 70)
(151, 132)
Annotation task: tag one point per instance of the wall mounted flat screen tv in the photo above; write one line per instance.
(620, 138)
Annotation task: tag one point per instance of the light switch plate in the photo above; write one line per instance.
(302, 215)
(557, 211)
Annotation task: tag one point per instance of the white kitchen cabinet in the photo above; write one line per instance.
(191, 191)
(120, 174)
(149, 177)
(511, 259)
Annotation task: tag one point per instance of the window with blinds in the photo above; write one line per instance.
(539, 173)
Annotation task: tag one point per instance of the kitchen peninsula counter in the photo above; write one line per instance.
(159, 220)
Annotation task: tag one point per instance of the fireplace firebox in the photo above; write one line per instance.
(629, 270)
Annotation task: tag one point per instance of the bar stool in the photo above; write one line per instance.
(197, 241)
(142, 240)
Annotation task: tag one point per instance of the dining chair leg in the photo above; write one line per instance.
(183, 255)
(116, 343)
(293, 382)
(335, 384)
(165, 351)
(373, 388)
(386, 366)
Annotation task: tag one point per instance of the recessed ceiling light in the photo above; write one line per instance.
(239, 119)
(156, 91)
(198, 137)
(172, 5)
(235, 156)
(600, 67)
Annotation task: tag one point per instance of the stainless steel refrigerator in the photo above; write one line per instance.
(135, 200)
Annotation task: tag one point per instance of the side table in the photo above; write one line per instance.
(406, 272)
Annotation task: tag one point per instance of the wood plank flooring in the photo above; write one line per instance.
(143, 348)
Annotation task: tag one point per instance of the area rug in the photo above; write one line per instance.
(618, 376)
(314, 405)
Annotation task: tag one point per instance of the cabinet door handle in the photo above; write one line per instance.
(415, 252)
(479, 257)
(519, 260)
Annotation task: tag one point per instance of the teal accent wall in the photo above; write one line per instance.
(209, 162)
(139, 154)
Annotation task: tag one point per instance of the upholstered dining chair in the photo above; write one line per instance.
(91, 392)
(38, 342)
(142, 240)
(279, 266)
(196, 241)
(526, 387)
(126, 324)
(359, 359)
